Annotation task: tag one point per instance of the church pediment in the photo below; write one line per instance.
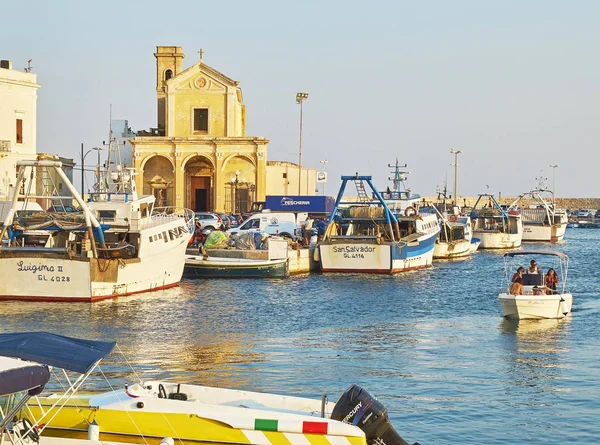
(201, 77)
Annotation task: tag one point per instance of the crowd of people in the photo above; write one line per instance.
(550, 280)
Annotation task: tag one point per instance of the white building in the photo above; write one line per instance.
(18, 105)
(283, 177)
(121, 132)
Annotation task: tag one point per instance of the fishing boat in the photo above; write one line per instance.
(193, 414)
(205, 266)
(119, 244)
(542, 222)
(452, 241)
(536, 300)
(368, 237)
(495, 227)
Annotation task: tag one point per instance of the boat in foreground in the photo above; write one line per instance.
(367, 237)
(192, 413)
(496, 228)
(119, 244)
(536, 301)
(205, 266)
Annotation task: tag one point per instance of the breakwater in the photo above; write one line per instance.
(561, 203)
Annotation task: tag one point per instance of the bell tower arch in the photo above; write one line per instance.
(169, 60)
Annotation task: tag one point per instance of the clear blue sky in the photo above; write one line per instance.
(514, 84)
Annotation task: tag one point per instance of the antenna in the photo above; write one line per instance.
(399, 176)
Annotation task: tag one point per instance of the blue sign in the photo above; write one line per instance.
(310, 204)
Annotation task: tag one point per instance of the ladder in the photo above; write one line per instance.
(362, 193)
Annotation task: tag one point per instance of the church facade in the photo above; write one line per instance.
(199, 156)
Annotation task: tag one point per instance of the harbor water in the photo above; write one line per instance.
(431, 345)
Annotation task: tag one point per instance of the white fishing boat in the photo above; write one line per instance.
(542, 222)
(119, 244)
(536, 300)
(452, 242)
(190, 414)
(367, 237)
(496, 228)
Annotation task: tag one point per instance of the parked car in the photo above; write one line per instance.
(597, 214)
(584, 213)
(285, 224)
(233, 221)
(225, 219)
(209, 220)
(60, 208)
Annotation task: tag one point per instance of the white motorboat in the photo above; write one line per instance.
(191, 414)
(368, 237)
(496, 228)
(119, 244)
(542, 222)
(536, 300)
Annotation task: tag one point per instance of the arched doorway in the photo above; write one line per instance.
(240, 184)
(199, 184)
(159, 180)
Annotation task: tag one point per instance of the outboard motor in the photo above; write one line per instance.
(357, 407)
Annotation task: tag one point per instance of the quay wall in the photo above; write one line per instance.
(561, 203)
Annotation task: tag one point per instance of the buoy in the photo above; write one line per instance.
(167, 441)
(94, 431)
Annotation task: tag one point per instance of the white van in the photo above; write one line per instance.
(286, 224)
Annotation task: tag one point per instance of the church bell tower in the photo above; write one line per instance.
(169, 61)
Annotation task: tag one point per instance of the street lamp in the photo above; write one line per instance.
(82, 155)
(553, 185)
(300, 97)
(324, 162)
(235, 183)
(455, 153)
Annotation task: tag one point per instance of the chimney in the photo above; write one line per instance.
(6, 64)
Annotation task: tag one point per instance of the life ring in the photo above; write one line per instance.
(410, 211)
(453, 218)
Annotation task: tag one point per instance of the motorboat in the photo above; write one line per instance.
(542, 222)
(368, 237)
(495, 227)
(188, 413)
(536, 300)
(119, 244)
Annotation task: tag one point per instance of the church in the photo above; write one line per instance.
(199, 156)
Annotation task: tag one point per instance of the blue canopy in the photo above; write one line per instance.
(72, 354)
(17, 376)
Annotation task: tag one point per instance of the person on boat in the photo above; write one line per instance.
(551, 282)
(518, 274)
(533, 268)
(321, 228)
(517, 287)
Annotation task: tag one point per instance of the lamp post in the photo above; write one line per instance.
(300, 97)
(324, 162)
(83, 165)
(553, 184)
(235, 183)
(455, 153)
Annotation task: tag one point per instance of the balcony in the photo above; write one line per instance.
(4, 146)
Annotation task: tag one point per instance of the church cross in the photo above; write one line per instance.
(201, 52)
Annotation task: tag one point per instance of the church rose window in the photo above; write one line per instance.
(200, 119)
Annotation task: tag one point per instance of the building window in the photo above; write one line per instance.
(168, 74)
(19, 131)
(285, 176)
(200, 119)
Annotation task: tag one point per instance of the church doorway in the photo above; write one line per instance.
(199, 184)
(159, 180)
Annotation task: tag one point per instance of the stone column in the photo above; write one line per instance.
(179, 175)
(219, 180)
(261, 172)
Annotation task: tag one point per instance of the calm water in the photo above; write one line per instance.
(431, 345)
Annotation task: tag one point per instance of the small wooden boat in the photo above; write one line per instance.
(205, 266)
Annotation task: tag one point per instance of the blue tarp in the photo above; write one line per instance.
(23, 378)
(72, 354)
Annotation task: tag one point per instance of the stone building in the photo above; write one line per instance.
(18, 127)
(199, 156)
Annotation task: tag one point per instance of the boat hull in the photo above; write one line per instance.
(373, 258)
(491, 239)
(56, 275)
(544, 233)
(523, 307)
(196, 267)
(457, 249)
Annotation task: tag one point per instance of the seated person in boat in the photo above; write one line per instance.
(518, 274)
(551, 282)
(517, 287)
(533, 269)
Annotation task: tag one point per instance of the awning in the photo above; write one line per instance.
(536, 252)
(18, 375)
(72, 354)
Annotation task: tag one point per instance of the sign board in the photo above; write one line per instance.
(321, 176)
(310, 204)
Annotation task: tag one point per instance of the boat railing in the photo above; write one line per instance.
(162, 215)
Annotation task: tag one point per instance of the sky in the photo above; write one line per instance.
(513, 84)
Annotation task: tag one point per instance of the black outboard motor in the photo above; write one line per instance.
(357, 407)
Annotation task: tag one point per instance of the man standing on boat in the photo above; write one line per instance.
(533, 269)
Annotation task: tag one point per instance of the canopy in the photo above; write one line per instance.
(536, 252)
(68, 353)
(17, 375)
